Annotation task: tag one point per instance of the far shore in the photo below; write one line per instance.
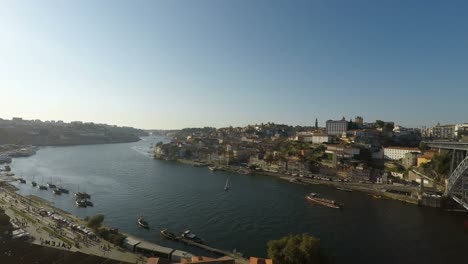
(375, 190)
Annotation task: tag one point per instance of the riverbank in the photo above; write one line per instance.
(46, 225)
(378, 191)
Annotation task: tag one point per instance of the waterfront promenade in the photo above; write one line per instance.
(43, 230)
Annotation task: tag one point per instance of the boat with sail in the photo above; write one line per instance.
(142, 223)
(313, 197)
(226, 186)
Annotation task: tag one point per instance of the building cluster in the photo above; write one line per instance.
(446, 132)
(352, 150)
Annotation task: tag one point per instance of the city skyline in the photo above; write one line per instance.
(170, 65)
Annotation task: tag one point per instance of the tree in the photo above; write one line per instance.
(379, 123)
(96, 221)
(296, 249)
(422, 146)
(441, 163)
(269, 158)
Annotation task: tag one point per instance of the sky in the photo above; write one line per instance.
(174, 64)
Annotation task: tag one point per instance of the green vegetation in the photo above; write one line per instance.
(422, 146)
(95, 221)
(441, 163)
(115, 238)
(27, 217)
(296, 249)
(112, 236)
(379, 123)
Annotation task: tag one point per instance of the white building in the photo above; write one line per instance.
(313, 138)
(337, 127)
(396, 153)
(319, 139)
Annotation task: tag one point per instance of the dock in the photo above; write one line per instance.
(237, 257)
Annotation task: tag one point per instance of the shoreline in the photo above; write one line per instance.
(368, 188)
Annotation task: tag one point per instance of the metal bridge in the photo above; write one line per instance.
(457, 186)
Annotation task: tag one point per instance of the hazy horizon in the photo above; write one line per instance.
(174, 64)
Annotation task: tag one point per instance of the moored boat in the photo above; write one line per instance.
(142, 223)
(52, 186)
(42, 187)
(168, 235)
(56, 191)
(21, 180)
(34, 184)
(187, 234)
(344, 189)
(63, 190)
(82, 195)
(313, 197)
(80, 203)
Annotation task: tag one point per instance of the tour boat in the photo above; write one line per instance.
(80, 203)
(168, 235)
(344, 189)
(142, 223)
(63, 190)
(313, 197)
(82, 195)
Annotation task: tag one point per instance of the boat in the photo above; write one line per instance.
(56, 191)
(42, 187)
(63, 190)
(187, 234)
(142, 223)
(82, 195)
(34, 184)
(213, 168)
(7, 168)
(80, 203)
(344, 189)
(313, 197)
(50, 185)
(89, 203)
(168, 235)
(226, 186)
(21, 180)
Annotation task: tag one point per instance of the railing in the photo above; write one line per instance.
(447, 145)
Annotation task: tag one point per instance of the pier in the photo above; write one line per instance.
(237, 257)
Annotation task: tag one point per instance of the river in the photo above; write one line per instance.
(125, 181)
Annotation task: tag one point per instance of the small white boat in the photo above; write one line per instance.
(142, 223)
(226, 186)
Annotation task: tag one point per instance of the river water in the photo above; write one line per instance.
(125, 181)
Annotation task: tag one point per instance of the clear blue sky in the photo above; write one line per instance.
(174, 64)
